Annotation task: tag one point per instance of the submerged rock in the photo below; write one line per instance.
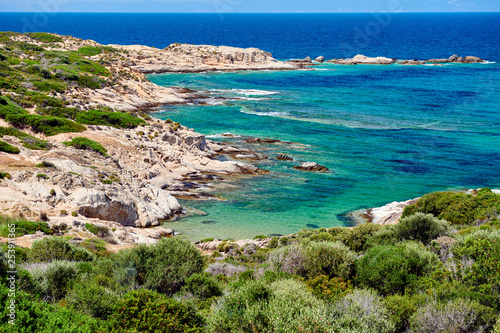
(311, 166)
(283, 157)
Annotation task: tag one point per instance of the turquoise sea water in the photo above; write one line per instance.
(387, 133)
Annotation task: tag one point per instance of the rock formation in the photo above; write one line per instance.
(311, 166)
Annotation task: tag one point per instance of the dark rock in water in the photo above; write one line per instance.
(208, 222)
(313, 226)
(275, 235)
(471, 59)
(259, 140)
(283, 157)
(311, 166)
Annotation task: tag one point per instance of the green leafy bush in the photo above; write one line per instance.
(356, 237)
(163, 267)
(457, 207)
(53, 280)
(203, 286)
(92, 299)
(97, 230)
(283, 306)
(390, 269)
(477, 258)
(421, 227)
(147, 311)
(115, 119)
(47, 125)
(87, 144)
(57, 248)
(7, 148)
(33, 315)
(328, 289)
(89, 50)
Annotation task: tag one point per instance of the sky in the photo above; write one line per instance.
(250, 6)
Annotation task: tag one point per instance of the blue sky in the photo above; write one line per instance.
(250, 6)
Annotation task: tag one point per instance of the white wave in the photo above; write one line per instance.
(268, 114)
(246, 92)
(223, 135)
(489, 62)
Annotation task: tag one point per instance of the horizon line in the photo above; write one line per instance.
(274, 13)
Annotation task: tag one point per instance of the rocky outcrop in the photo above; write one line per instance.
(456, 59)
(320, 59)
(305, 60)
(311, 166)
(364, 60)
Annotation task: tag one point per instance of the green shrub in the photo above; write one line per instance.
(45, 164)
(47, 125)
(401, 309)
(57, 248)
(322, 237)
(496, 328)
(92, 299)
(21, 227)
(89, 50)
(282, 306)
(95, 246)
(27, 140)
(42, 175)
(385, 236)
(147, 311)
(421, 227)
(7, 108)
(328, 289)
(5, 175)
(115, 119)
(50, 85)
(7, 148)
(87, 144)
(63, 112)
(457, 207)
(455, 316)
(477, 258)
(33, 315)
(163, 267)
(203, 286)
(45, 37)
(357, 237)
(53, 280)
(390, 269)
(97, 230)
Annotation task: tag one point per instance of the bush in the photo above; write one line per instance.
(283, 306)
(57, 248)
(328, 289)
(163, 267)
(97, 230)
(147, 311)
(390, 269)
(421, 227)
(106, 118)
(362, 311)
(457, 207)
(455, 316)
(47, 125)
(203, 286)
(92, 299)
(7, 148)
(35, 316)
(223, 268)
(401, 309)
(52, 280)
(476, 258)
(87, 144)
(89, 50)
(496, 328)
(357, 237)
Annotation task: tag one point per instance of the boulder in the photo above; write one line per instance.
(361, 59)
(320, 59)
(472, 59)
(453, 58)
(311, 166)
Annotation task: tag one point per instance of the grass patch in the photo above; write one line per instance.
(87, 144)
(7, 148)
(47, 125)
(107, 118)
(21, 227)
(44, 37)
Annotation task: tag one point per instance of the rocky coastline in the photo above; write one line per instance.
(129, 190)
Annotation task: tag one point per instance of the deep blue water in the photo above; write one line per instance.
(387, 132)
(404, 35)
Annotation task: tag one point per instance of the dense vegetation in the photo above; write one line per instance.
(425, 274)
(30, 75)
(87, 144)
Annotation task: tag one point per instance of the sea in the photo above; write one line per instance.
(387, 133)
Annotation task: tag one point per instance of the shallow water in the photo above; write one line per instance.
(386, 132)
